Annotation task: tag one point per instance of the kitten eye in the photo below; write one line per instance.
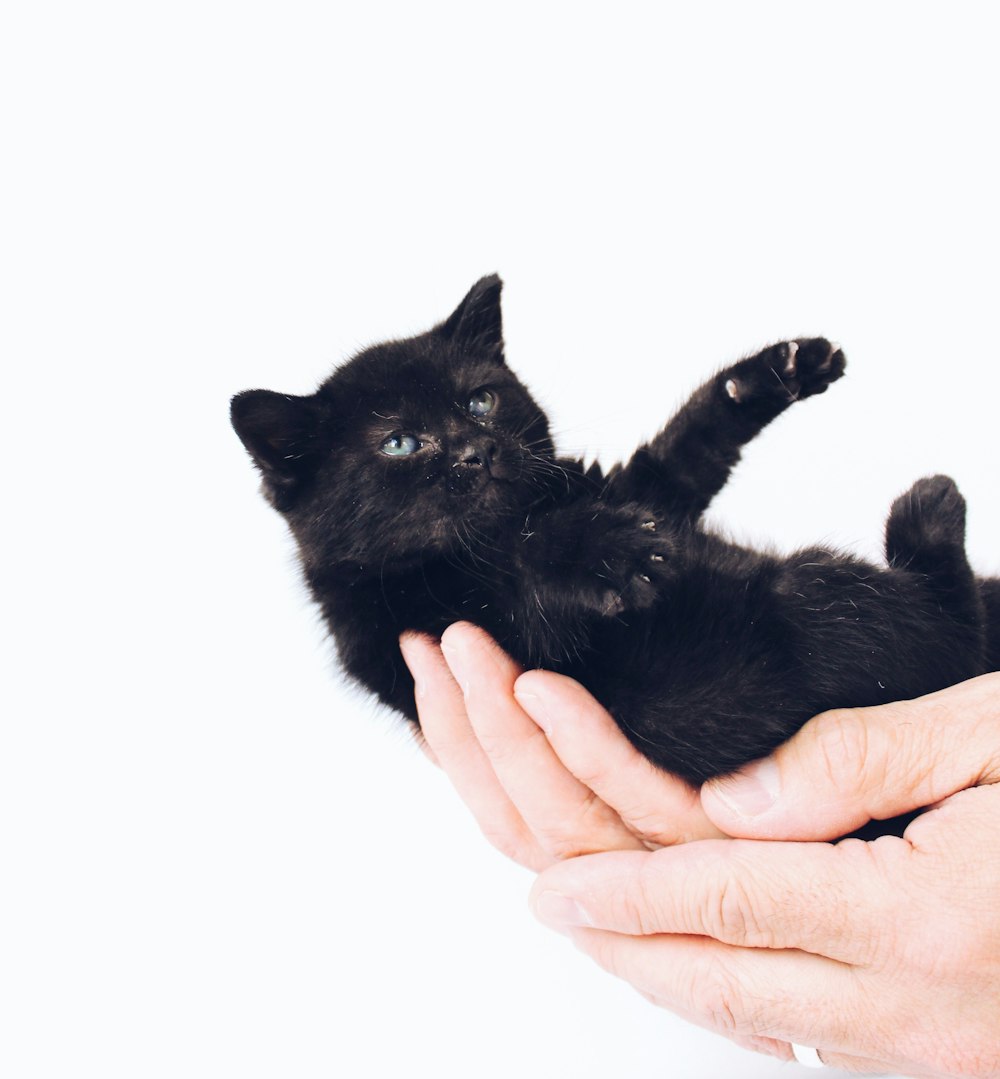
(482, 402)
(400, 445)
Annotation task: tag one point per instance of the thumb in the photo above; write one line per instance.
(849, 766)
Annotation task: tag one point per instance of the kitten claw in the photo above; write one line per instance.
(826, 364)
(613, 605)
(732, 389)
(628, 562)
(793, 348)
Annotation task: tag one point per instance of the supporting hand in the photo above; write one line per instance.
(541, 765)
(884, 955)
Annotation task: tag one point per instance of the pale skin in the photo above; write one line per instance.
(725, 905)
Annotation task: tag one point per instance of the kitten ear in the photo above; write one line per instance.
(280, 432)
(476, 323)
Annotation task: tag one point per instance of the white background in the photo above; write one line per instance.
(216, 859)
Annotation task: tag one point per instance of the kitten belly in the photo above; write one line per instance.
(718, 675)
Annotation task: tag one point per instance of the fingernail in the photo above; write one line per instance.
(559, 911)
(751, 791)
(535, 707)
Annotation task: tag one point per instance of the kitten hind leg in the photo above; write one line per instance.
(925, 534)
(927, 525)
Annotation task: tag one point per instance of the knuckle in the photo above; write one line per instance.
(590, 828)
(558, 845)
(650, 826)
(593, 812)
(590, 773)
(666, 818)
(843, 746)
(737, 1002)
(562, 847)
(719, 999)
(643, 904)
(730, 916)
(509, 845)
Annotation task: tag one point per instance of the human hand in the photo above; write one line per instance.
(884, 955)
(541, 765)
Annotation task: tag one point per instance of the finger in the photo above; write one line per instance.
(425, 748)
(655, 805)
(814, 897)
(858, 1065)
(565, 816)
(849, 766)
(739, 992)
(445, 726)
(763, 1000)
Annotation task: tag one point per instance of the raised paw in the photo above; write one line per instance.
(785, 372)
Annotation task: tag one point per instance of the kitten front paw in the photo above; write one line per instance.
(633, 562)
(785, 372)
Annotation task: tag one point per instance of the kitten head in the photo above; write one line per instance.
(410, 449)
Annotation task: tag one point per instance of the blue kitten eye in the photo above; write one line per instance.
(482, 402)
(400, 445)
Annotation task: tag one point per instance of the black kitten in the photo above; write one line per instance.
(422, 486)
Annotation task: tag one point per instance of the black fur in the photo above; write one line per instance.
(707, 654)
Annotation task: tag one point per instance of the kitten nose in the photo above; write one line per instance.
(478, 455)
